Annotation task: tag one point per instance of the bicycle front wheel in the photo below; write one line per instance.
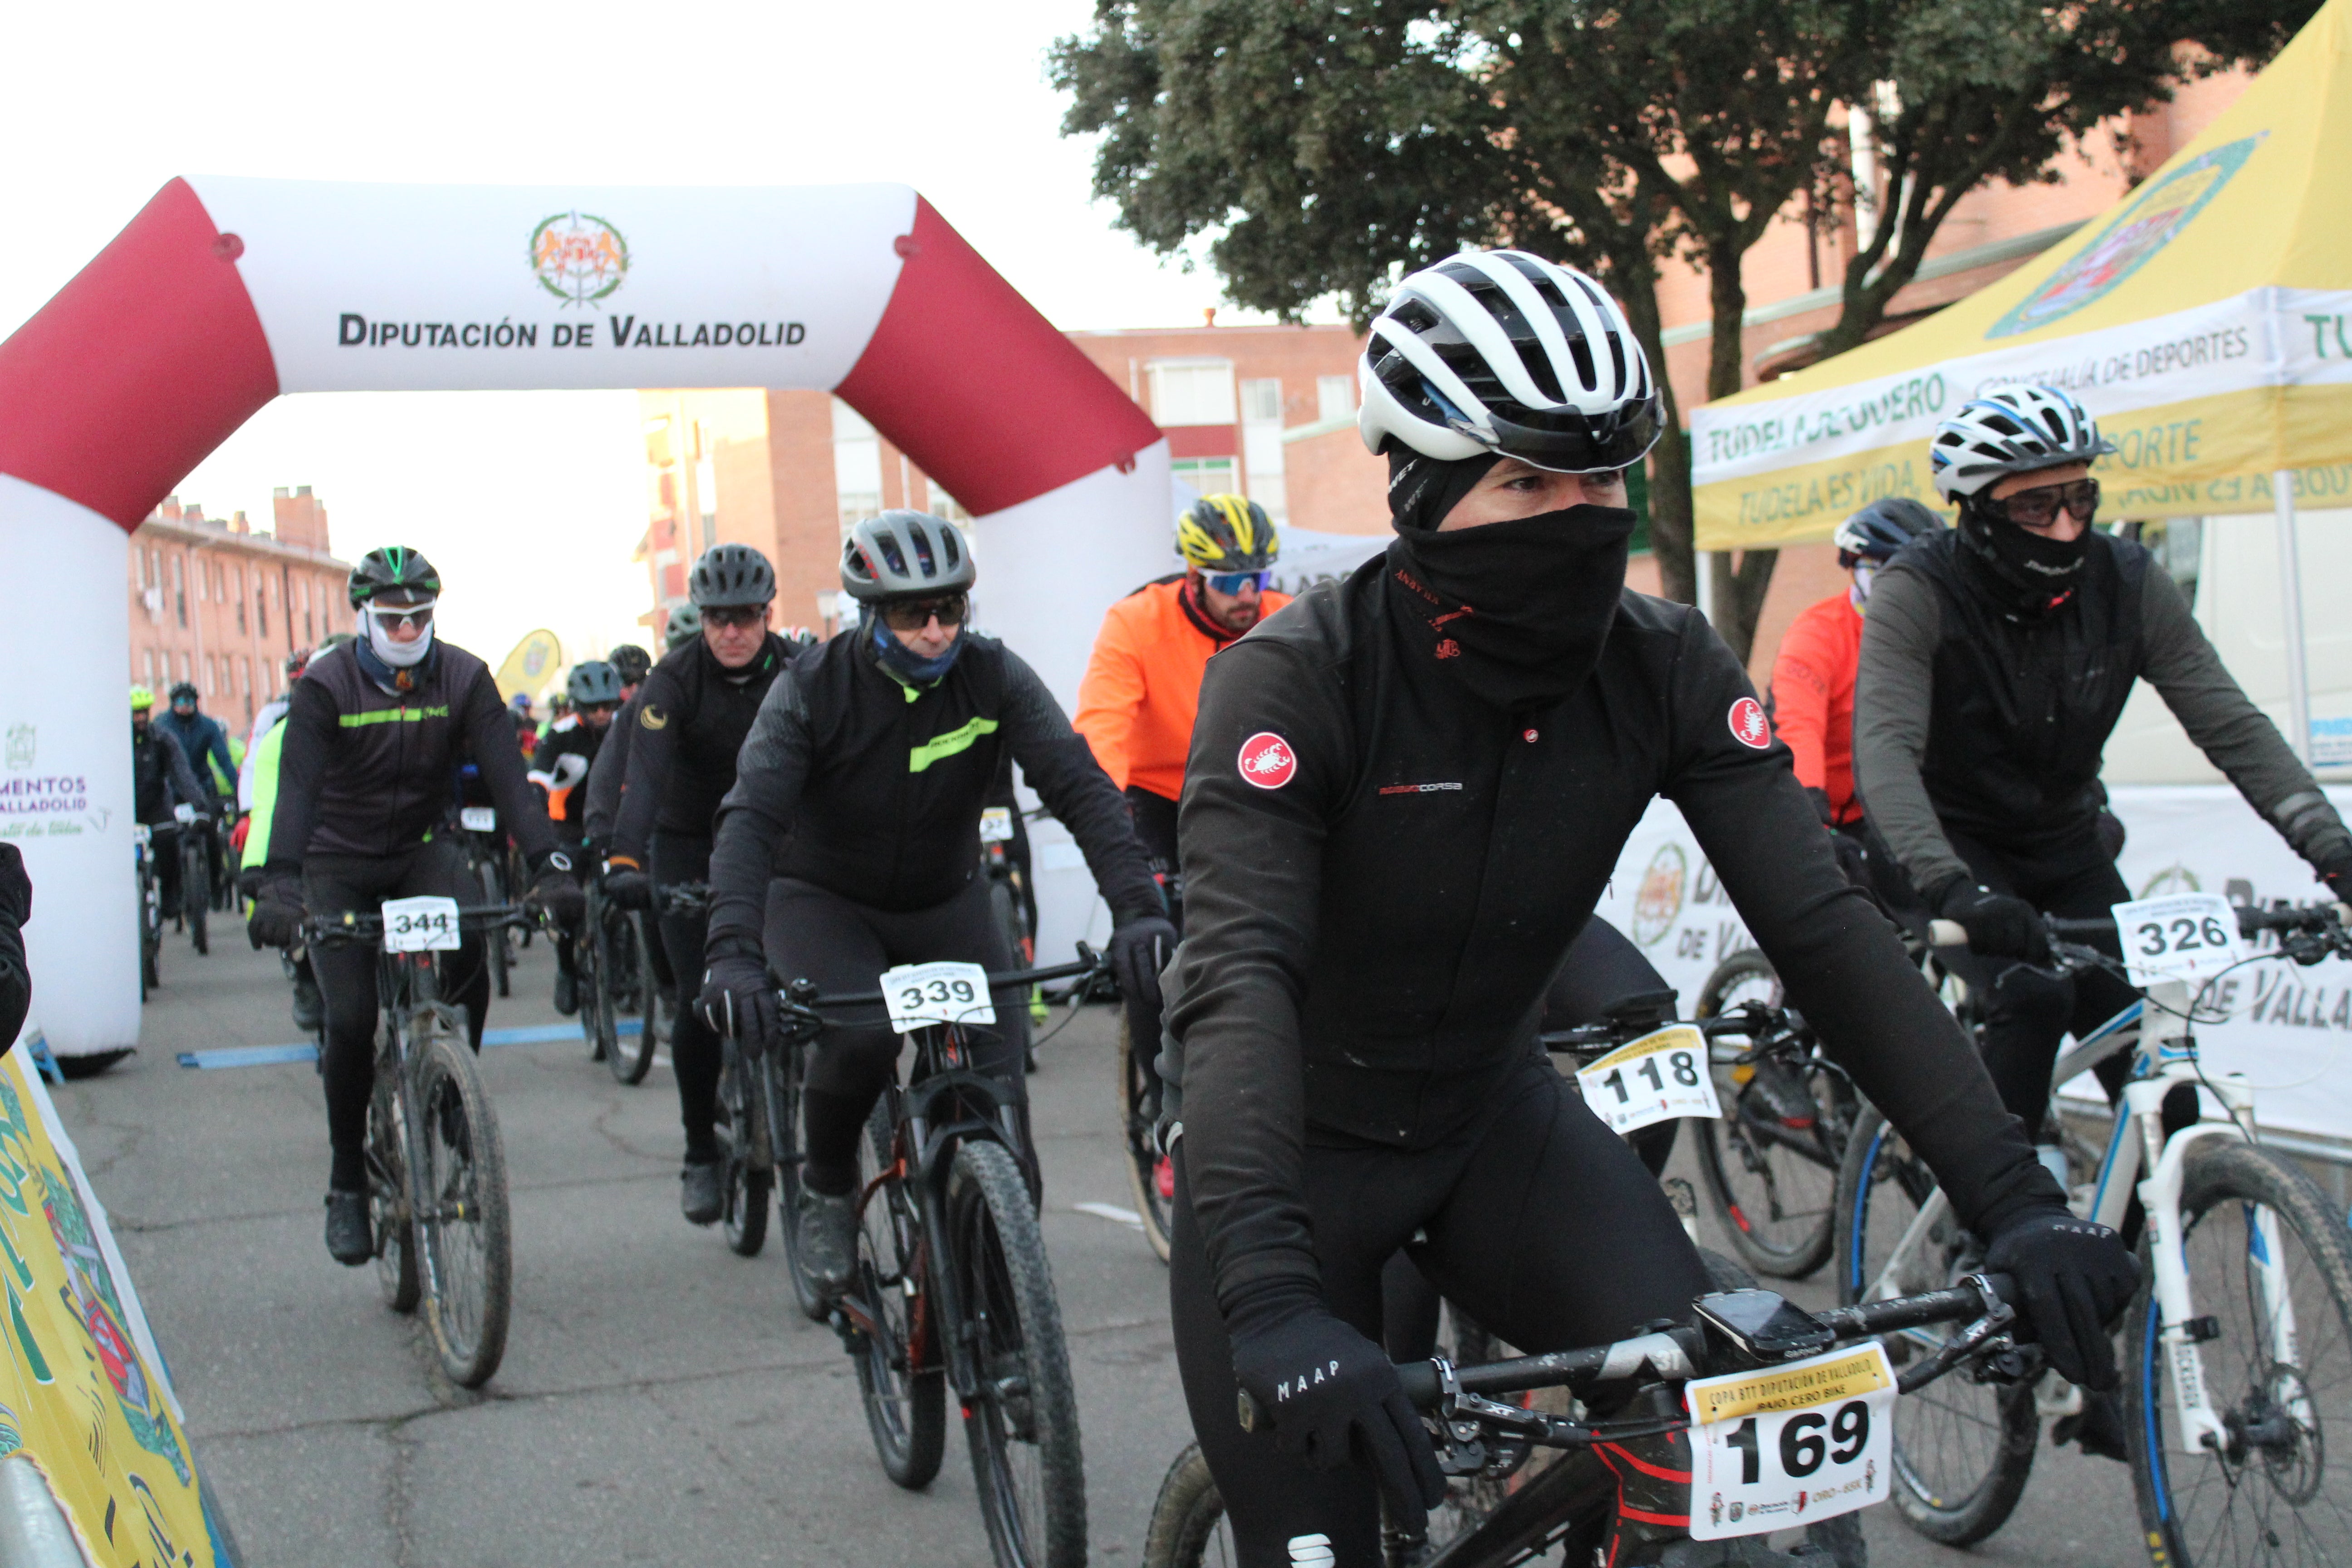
(2271, 1270)
(628, 965)
(1770, 1162)
(744, 1186)
(462, 1223)
(598, 1020)
(898, 1362)
(1151, 1178)
(196, 892)
(1963, 1450)
(787, 1135)
(1188, 1527)
(1023, 1420)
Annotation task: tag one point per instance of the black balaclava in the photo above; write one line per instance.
(2025, 573)
(1516, 611)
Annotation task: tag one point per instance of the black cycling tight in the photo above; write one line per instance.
(693, 1050)
(332, 884)
(1540, 1222)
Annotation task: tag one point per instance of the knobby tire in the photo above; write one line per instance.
(1145, 1164)
(902, 1383)
(466, 1228)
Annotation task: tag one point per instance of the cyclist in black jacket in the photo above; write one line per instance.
(1405, 793)
(860, 790)
(375, 731)
(693, 712)
(559, 766)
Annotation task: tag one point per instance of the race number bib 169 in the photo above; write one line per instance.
(1792, 1444)
(2187, 936)
(426, 924)
(1654, 1079)
(922, 993)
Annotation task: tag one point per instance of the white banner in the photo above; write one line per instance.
(2289, 1029)
(426, 287)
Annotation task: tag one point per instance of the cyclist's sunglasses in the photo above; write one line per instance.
(1231, 583)
(735, 616)
(392, 616)
(596, 708)
(2038, 508)
(914, 615)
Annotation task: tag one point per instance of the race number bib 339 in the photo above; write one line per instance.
(1792, 1444)
(1654, 1079)
(2187, 936)
(922, 994)
(426, 924)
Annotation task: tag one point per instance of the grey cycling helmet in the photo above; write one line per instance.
(632, 662)
(593, 680)
(731, 574)
(1881, 528)
(905, 554)
(683, 625)
(2013, 431)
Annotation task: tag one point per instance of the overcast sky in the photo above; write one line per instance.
(530, 502)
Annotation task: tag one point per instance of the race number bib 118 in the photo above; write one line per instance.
(1654, 1079)
(426, 924)
(920, 993)
(1792, 1444)
(2187, 936)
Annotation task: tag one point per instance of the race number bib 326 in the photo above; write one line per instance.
(1806, 1440)
(2187, 936)
(1654, 1079)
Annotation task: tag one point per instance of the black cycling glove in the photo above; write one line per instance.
(1139, 951)
(738, 1000)
(557, 891)
(1332, 1395)
(277, 914)
(2073, 1277)
(626, 884)
(1998, 924)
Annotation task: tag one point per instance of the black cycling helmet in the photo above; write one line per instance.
(905, 554)
(1227, 533)
(1879, 530)
(731, 574)
(394, 566)
(186, 688)
(683, 625)
(632, 662)
(593, 680)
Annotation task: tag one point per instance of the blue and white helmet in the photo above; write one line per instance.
(2013, 431)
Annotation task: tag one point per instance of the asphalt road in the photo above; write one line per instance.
(661, 1400)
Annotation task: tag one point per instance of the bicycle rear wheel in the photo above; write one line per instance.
(628, 965)
(196, 890)
(1963, 1450)
(1151, 1178)
(1188, 1527)
(2256, 1235)
(598, 1020)
(786, 1137)
(743, 1189)
(1023, 1420)
(395, 1237)
(494, 892)
(462, 1226)
(900, 1377)
(1770, 1162)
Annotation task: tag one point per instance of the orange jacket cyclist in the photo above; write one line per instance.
(1143, 684)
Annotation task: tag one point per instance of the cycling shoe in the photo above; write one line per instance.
(350, 1240)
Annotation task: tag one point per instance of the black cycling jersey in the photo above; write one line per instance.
(1383, 872)
(879, 784)
(692, 715)
(602, 795)
(570, 736)
(161, 777)
(367, 772)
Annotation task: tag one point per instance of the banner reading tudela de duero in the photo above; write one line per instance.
(516, 287)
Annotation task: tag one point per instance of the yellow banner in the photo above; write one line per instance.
(533, 663)
(78, 1395)
(1824, 1379)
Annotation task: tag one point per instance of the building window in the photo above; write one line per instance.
(706, 486)
(1192, 391)
(856, 466)
(261, 610)
(1335, 396)
(151, 669)
(1262, 446)
(1205, 476)
(180, 592)
(1262, 401)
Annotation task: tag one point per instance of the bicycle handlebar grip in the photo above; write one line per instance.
(1947, 933)
(1419, 1379)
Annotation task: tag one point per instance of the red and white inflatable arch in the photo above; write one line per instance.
(224, 293)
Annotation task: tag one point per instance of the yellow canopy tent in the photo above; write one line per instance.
(2206, 320)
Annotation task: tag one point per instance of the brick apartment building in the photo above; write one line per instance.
(215, 602)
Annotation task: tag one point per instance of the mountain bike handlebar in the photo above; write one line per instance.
(1746, 1019)
(2326, 919)
(802, 995)
(351, 927)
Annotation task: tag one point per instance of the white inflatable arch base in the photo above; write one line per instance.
(224, 293)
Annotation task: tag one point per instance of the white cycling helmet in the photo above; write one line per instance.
(2013, 431)
(1501, 352)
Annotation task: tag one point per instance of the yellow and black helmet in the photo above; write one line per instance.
(1227, 533)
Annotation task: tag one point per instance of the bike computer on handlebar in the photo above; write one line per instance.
(1764, 1325)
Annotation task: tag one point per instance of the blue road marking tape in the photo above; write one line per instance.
(270, 1055)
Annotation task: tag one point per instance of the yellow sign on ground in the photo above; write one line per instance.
(533, 663)
(82, 1390)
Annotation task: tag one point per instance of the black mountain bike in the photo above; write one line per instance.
(150, 907)
(951, 1288)
(1630, 1479)
(486, 861)
(615, 982)
(436, 1170)
(197, 879)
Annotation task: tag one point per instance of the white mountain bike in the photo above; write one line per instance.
(2238, 1347)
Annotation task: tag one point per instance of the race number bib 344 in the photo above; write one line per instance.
(1806, 1440)
(1654, 1079)
(426, 924)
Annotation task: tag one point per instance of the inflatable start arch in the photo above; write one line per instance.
(223, 293)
